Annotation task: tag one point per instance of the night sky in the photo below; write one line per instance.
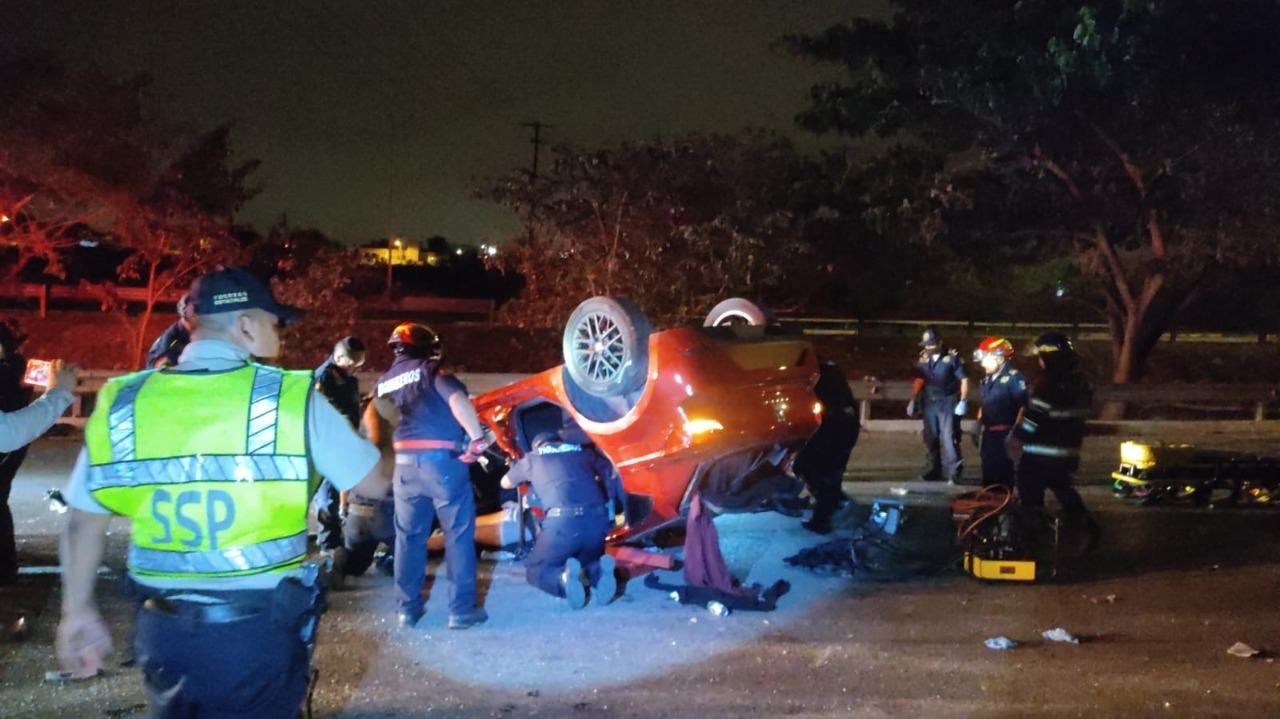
(372, 117)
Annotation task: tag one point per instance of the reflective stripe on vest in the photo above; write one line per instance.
(201, 468)
(211, 469)
(1045, 450)
(241, 560)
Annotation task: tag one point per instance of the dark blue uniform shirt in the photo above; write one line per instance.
(1004, 394)
(942, 375)
(563, 474)
(420, 391)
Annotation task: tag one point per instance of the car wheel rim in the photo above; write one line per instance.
(598, 347)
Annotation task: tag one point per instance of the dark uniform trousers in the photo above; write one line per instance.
(822, 462)
(196, 664)
(997, 466)
(368, 524)
(9, 464)
(561, 538)
(428, 485)
(1037, 473)
(941, 440)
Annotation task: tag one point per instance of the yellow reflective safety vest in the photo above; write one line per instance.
(210, 467)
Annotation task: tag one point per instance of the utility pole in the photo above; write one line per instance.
(537, 127)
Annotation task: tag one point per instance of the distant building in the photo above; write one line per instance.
(400, 251)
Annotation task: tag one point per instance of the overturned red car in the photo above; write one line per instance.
(720, 409)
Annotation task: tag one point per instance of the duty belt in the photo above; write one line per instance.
(598, 510)
(220, 613)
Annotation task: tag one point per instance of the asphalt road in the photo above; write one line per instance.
(1168, 592)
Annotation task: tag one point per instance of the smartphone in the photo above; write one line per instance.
(39, 373)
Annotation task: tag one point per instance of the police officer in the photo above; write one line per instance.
(437, 433)
(825, 456)
(211, 461)
(1046, 441)
(164, 352)
(940, 392)
(1004, 394)
(335, 379)
(572, 482)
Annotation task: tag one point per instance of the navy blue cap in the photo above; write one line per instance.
(232, 289)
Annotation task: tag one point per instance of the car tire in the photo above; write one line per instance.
(606, 347)
(737, 311)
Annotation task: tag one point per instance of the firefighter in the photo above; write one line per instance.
(212, 462)
(1004, 394)
(573, 483)
(1046, 442)
(940, 393)
(436, 434)
(825, 456)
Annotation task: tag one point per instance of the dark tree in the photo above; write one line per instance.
(676, 226)
(1138, 139)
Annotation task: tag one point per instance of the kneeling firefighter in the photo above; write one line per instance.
(578, 485)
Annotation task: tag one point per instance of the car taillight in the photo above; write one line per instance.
(695, 428)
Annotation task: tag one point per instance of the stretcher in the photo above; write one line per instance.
(1155, 472)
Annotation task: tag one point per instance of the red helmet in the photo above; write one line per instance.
(996, 346)
(415, 340)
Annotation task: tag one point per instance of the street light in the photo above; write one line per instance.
(392, 242)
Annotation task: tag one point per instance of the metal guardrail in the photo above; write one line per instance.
(870, 393)
(1077, 331)
(411, 304)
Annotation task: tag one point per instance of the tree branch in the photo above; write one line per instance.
(1057, 171)
(1130, 169)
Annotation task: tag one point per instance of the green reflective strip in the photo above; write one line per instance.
(120, 424)
(240, 560)
(1045, 450)
(264, 411)
(200, 468)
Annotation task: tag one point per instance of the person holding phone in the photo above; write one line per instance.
(21, 422)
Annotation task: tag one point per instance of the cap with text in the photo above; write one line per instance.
(232, 289)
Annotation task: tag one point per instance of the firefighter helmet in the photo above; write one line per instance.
(993, 346)
(1049, 343)
(415, 340)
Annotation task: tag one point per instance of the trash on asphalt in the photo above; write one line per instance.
(1000, 643)
(57, 503)
(718, 608)
(1059, 634)
(1242, 650)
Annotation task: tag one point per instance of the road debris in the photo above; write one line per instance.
(1242, 650)
(1058, 634)
(1000, 643)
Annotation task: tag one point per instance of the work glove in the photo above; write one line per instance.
(474, 450)
(911, 408)
(976, 434)
(962, 407)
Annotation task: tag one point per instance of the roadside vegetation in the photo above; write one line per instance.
(1109, 162)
